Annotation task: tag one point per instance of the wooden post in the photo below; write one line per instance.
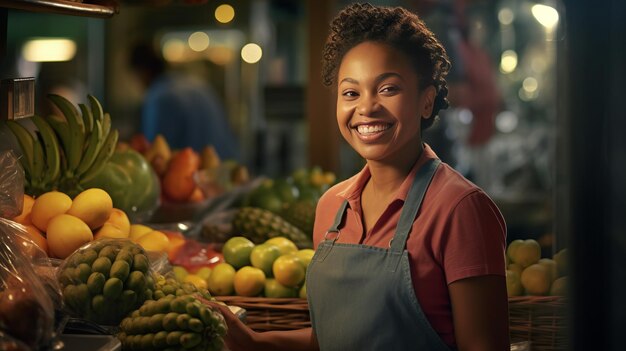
(323, 132)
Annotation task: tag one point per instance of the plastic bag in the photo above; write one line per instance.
(26, 305)
(11, 185)
(106, 279)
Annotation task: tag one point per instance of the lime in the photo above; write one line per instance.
(275, 289)
(222, 279)
(237, 251)
(284, 245)
(305, 255)
(263, 256)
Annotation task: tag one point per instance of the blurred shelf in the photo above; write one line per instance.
(102, 10)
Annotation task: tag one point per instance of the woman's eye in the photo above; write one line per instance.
(350, 93)
(389, 89)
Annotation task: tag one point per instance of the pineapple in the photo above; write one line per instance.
(259, 225)
(301, 214)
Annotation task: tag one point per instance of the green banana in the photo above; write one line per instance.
(106, 125)
(51, 148)
(96, 108)
(87, 118)
(25, 139)
(38, 163)
(77, 132)
(59, 124)
(94, 143)
(106, 151)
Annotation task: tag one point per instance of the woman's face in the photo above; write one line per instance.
(379, 103)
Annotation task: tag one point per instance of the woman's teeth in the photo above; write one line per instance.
(369, 129)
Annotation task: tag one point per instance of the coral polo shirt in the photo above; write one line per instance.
(458, 233)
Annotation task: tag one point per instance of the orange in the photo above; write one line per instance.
(36, 236)
(137, 230)
(513, 284)
(110, 230)
(525, 253)
(536, 279)
(154, 241)
(289, 270)
(249, 281)
(120, 220)
(24, 217)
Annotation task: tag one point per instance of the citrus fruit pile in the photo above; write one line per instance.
(529, 274)
(274, 268)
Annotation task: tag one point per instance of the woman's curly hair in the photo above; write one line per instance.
(394, 26)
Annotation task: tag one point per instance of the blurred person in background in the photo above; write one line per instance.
(181, 107)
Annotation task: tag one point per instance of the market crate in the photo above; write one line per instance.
(272, 313)
(541, 320)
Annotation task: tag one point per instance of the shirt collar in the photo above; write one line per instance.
(354, 190)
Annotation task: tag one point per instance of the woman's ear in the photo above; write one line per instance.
(427, 101)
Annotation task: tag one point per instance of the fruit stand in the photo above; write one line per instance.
(82, 207)
(132, 237)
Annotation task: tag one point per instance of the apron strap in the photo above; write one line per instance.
(338, 218)
(325, 246)
(409, 211)
(413, 203)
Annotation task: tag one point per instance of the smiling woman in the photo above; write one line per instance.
(407, 240)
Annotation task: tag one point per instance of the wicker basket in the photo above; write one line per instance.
(542, 320)
(272, 313)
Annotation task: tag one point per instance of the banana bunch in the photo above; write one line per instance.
(65, 151)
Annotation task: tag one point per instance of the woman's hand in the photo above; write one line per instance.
(239, 336)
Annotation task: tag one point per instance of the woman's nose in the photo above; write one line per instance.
(368, 104)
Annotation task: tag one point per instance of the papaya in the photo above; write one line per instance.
(178, 182)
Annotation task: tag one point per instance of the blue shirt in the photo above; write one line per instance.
(187, 112)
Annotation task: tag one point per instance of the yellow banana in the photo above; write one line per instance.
(87, 118)
(96, 108)
(77, 132)
(25, 139)
(51, 148)
(106, 151)
(94, 143)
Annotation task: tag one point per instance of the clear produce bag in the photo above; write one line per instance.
(11, 185)
(106, 279)
(26, 295)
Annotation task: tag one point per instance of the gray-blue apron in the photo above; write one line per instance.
(361, 297)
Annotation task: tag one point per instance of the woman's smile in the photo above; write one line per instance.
(372, 132)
